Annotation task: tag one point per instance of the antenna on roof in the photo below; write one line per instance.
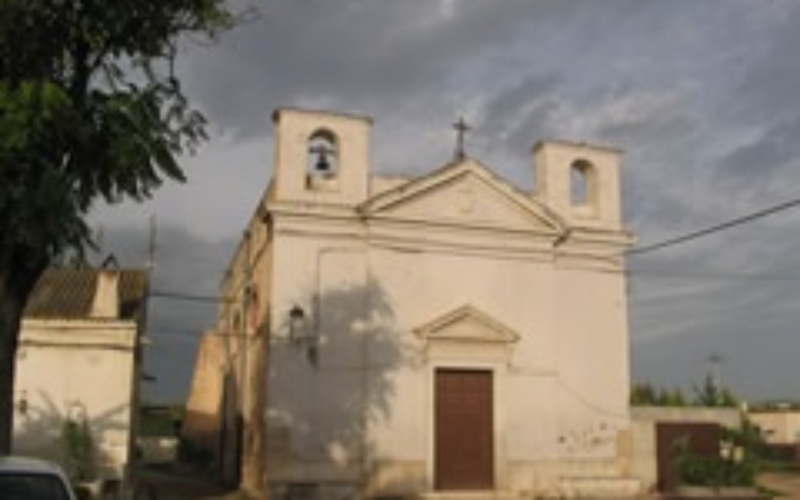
(715, 360)
(151, 246)
(110, 261)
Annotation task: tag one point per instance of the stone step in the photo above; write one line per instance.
(599, 487)
(470, 495)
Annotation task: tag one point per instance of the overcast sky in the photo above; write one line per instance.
(701, 95)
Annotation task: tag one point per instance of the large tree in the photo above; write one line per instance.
(90, 109)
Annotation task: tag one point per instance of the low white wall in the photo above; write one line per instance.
(76, 369)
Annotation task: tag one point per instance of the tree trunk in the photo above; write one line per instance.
(10, 317)
(18, 275)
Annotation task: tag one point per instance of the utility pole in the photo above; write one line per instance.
(715, 361)
(150, 264)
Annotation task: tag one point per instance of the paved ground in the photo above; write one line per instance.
(785, 484)
(165, 485)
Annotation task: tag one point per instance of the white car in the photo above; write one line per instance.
(33, 479)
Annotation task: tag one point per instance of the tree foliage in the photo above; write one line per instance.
(645, 394)
(90, 108)
(736, 464)
(78, 450)
(710, 393)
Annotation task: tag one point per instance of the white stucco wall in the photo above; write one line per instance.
(554, 399)
(779, 426)
(371, 270)
(74, 369)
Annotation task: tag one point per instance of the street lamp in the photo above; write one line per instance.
(299, 334)
(22, 404)
(297, 323)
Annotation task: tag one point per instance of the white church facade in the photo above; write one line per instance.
(430, 335)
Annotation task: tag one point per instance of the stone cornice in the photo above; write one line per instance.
(404, 193)
(79, 333)
(472, 326)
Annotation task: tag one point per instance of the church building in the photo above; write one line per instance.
(426, 336)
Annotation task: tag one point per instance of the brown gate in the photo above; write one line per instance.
(464, 429)
(697, 438)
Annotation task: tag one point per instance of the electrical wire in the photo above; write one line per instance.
(177, 332)
(715, 228)
(161, 294)
(661, 273)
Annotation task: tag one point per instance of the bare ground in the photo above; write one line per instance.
(786, 485)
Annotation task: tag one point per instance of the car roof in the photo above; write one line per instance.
(27, 464)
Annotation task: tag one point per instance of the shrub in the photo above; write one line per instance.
(78, 449)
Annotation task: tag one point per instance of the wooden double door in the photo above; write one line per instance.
(464, 430)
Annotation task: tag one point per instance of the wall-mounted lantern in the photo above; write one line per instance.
(297, 324)
(300, 335)
(22, 404)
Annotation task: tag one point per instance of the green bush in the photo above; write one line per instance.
(736, 467)
(78, 449)
(716, 471)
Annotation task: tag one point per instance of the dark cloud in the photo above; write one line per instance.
(376, 57)
(774, 152)
(186, 265)
(369, 55)
(526, 100)
(768, 84)
(759, 102)
(701, 98)
(759, 357)
(733, 294)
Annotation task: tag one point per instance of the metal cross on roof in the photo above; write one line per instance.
(461, 128)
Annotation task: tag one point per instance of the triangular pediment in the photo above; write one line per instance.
(467, 194)
(466, 324)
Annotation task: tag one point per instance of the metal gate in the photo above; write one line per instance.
(701, 439)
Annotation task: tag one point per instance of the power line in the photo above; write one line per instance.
(169, 331)
(660, 273)
(160, 294)
(716, 228)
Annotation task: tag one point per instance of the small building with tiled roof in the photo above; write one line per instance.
(70, 293)
(79, 359)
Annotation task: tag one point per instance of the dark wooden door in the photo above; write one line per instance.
(464, 429)
(699, 438)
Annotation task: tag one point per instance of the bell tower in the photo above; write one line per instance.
(321, 157)
(580, 182)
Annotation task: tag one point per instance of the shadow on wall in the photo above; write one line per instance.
(321, 403)
(39, 431)
(230, 434)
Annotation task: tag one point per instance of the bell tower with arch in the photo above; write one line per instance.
(580, 182)
(321, 157)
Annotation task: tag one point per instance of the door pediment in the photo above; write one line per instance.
(466, 325)
(464, 194)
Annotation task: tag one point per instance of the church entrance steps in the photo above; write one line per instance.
(471, 495)
(599, 487)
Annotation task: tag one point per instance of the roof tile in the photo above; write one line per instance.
(68, 294)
